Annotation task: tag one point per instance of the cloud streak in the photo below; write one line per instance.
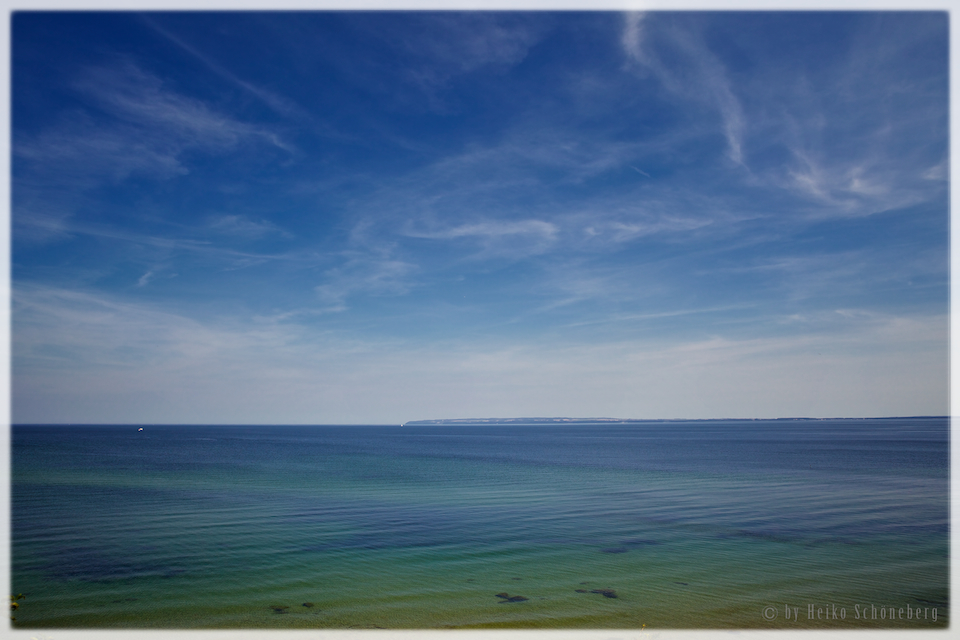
(362, 275)
(142, 128)
(702, 76)
(281, 105)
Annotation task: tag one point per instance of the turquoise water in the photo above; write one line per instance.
(716, 524)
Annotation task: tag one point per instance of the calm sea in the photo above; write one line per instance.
(715, 524)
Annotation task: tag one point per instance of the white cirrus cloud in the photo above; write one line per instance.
(692, 73)
(498, 239)
(365, 275)
(244, 226)
(491, 229)
(138, 126)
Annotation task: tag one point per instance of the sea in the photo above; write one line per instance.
(719, 524)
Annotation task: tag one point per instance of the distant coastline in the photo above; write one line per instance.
(456, 421)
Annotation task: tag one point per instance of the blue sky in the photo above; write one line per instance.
(379, 217)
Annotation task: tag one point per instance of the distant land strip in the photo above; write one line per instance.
(455, 421)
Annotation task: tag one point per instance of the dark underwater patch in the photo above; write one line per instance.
(505, 597)
(90, 564)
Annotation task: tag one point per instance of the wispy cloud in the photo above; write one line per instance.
(168, 242)
(244, 227)
(280, 104)
(851, 138)
(872, 173)
(134, 126)
(502, 197)
(874, 186)
(695, 73)
(134, 96)
(437, 48)
(858, 136)
(142, 127)
(146, 278)
(632, 36)
(635, 317)
(501, 239)
(451, 44)
(84, 154)
(491, 229)
(365, 275)
(638, 224)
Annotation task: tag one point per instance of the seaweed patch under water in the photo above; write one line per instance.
(506, 597)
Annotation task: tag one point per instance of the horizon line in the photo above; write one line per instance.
(440, 421)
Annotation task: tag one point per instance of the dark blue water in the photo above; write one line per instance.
(688, 524)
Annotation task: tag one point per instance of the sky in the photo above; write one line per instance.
(377, 217)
